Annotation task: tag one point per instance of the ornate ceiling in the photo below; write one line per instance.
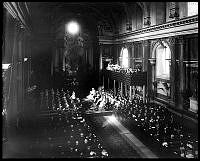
(49, 15)
(92, 13)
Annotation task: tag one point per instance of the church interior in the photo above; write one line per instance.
(100, 80)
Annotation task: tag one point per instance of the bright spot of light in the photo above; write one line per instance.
(25, 59)
(5, 66)
(112, 118)
(73, 27)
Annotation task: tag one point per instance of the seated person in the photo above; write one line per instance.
(91, 96)
(73, 96)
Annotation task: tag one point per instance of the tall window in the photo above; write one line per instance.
(192, 8)
(163, 62)
(124, 57)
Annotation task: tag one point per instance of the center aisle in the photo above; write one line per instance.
(118, 147)
(63, 130)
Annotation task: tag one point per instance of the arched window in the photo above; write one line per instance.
(163, 57)
(192, 8)
(124, 58)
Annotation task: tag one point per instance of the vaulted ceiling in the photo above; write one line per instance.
(92, 13)
(47, 16)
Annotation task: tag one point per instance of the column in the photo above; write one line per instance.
(118, 54)
(144, 93)
(134, 90)
(125, 89)
(118, 86)
(12, 103)
(129, 47)
(146, 54)
(133, 55)
(181, 72)
(173, 71)
(130, 92)
(100, 66)
(108, 83)
(103, 82)
(86, 57)
(19, 70)
(151, 78)
(20, 64)
(101, 55)
(52, 63)
(30, 64)
(114, 87)
(24, 70)
(121, 91)
(63, 61)
(27, 62)
(115, 56)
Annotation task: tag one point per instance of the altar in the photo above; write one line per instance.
(125, 79)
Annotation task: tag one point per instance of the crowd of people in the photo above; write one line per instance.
(155, 120)
(69, 122)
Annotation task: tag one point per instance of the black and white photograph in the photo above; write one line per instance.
(100, 80)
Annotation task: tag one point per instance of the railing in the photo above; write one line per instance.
(138, 78)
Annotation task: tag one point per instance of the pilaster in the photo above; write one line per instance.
(181, 71)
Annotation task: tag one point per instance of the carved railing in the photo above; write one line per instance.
(137, 78)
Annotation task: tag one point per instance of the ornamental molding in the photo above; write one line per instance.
(171, 41)
(183, 30)
(180, 40)
(171, 24)
(19, 11)
(146, 42)
(170, 29)
(129, 44)
(106, 40)
(153, 42)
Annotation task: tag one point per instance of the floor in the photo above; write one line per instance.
(56, 135)
(117, 145)
(32, 143)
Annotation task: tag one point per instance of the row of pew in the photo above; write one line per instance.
(164, 127)
(65, 128)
